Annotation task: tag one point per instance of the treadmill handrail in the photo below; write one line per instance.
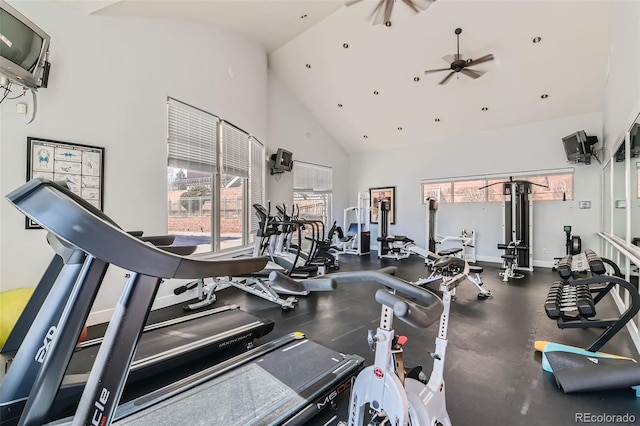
(74, 220)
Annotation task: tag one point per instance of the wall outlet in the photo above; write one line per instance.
(21, 109)
(544, 250)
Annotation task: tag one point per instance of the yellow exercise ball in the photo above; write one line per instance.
(12, 303)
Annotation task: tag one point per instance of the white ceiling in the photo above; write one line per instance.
(569, 64)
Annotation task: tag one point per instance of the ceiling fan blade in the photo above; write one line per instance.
(387, 11)
(377, 14)
(422, 4)
(438, 70)
(411, 5)
(352, 2)
(485, 58)
(449, 58)
(472, 73)
(447, 78)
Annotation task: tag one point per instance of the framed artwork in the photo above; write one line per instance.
(79, 166)
(387, 193)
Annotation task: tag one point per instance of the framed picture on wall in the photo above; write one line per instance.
(79, 166)
(387, 193)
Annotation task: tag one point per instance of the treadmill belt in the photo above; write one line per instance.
(234, 399)
(265, 391)
(213, 331)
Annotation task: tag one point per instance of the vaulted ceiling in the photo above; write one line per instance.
(366, 84)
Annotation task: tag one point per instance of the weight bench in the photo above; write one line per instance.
(572, 301)
(510, 260)
(430, 258)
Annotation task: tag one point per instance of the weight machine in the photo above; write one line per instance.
(391, 246)
(358, 238)
(517, 226)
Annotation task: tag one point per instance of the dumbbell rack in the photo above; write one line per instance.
(569, 301)
(572, 301)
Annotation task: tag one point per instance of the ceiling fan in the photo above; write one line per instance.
(382, 12)
(459, 65)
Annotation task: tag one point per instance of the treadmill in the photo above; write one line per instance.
(315, 375)
(170, 346)
(203, 338)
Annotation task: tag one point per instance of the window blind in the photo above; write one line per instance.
(256, 177)
(312, 177)
(191, 137)
(235, 151)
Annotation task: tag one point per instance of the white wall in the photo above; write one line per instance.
(109, 81)
(530, 147)
(108, 86)
(622, 106)
(293, 128)
(622, 92)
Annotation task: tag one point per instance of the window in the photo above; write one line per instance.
(469, 191)
(234, 173)
(440, 191)
(549, 186)
(312, 191)
(192, 157)
(214, 171)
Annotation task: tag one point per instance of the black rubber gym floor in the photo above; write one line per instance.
(492, 372)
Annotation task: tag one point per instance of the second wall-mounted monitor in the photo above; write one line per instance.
(579, 147)
(281, 161)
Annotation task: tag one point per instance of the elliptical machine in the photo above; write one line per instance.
(384, 388)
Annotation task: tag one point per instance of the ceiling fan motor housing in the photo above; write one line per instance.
(458, 65)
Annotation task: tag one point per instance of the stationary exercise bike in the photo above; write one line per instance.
(384, 393)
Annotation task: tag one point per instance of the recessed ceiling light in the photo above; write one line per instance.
(365, 136)
(375, 92)
(339, 105)
(536, 39)
(308, 65)
(485, 109)
(399, 128)
(544, 96)
(437, 120)
(345, 45)
(416, 78)
(387, 24)
(303, 16)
